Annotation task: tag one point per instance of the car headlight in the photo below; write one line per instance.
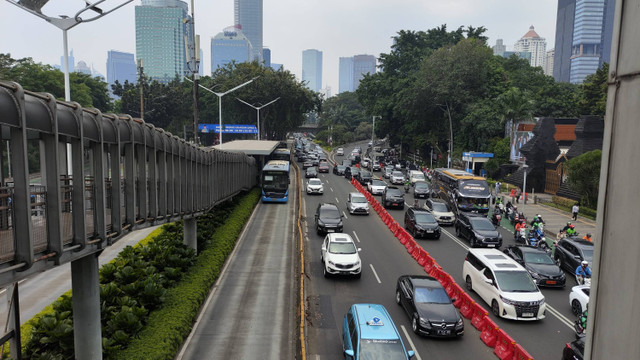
(541, 302)
(534, 274)
(507, 301)
(358, 263)
(479, 237)
(331, 263)
(459, 323)
(425, 323)
(320, 222)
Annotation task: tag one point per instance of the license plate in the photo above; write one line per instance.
(551, 282)
(395, 204)
(430, 231)
(491, 245)
(330, 230)
(444, 332)
(527, 314)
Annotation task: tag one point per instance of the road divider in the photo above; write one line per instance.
(504, 347)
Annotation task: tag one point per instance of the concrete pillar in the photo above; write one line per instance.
(191, 233)
(87, 330)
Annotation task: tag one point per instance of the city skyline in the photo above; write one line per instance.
(287, 29)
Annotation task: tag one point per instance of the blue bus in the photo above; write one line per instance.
(275, 181)
(281, 154)
(463, 191)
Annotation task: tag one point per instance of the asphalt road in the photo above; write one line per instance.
(251, 311)
(384, 259)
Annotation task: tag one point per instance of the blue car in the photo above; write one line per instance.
(369, 333)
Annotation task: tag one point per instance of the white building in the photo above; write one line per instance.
(532, 42)
(548, 65)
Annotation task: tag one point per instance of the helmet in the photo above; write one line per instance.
(571, 226)
(588, 235)
(585, 262)
(568, 223)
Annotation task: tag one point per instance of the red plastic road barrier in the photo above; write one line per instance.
(403, 237)
(393, 226)
(430, 265)
(450, 286)
(457, 295)
(399, 230)
(422, 259)
(505, 346)
(410, 245)
(521, 354)
(467, 306)
(416, 252)
(489, 333)
(478, 315)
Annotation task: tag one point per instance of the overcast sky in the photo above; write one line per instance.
(338, 28)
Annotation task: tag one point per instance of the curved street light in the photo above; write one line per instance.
(258, 110)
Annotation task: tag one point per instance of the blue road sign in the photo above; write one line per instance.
(228, 129)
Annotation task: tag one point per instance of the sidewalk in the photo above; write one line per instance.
(555, 219)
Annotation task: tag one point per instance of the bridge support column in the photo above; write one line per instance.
(191, 233)
(86, 308)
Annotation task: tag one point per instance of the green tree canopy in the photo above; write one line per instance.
(584, 176)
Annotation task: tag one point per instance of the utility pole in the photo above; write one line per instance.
(141, 71)
(193, 60)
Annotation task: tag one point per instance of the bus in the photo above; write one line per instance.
(281, 154)
(463, 191)
(274, 181)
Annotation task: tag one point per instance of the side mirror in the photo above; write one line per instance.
(489, 281)
(359, 249)
(577, 257)
(349, 353)
(410, 354)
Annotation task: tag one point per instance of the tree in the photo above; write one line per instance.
(594, 92)
(584, 176)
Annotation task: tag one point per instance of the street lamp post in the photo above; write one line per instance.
(258, 110)
(220, 95)
(446, 104)
(373, 127)
(524, 187)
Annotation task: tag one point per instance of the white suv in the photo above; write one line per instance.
(415, 175)
(503, 284)
(340, 256)
(340, 152)
(314, 186)
(357, 204)
(397, 177)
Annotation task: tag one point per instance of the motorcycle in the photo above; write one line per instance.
(406, 188)
(521, 235)
(536, 239)
(585, 280)
(516, 217)
(580, 325)
(496, 217)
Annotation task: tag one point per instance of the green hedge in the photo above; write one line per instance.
(169, 326)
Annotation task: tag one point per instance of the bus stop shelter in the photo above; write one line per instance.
(471, 158)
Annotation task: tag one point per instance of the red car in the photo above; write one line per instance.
(323, 167)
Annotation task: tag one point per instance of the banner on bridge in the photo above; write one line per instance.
(228, 129)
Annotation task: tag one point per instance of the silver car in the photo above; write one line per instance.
(376, 187)
(397, 177)
(357, 204)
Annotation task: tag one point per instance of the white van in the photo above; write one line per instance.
(415, 175)
(503, 284)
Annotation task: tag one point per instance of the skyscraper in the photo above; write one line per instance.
(72, 62)
(121, 66)
(161, 29)
(532, 42)
(229, 45)
(548, 64)
(266, 57)
(248, 14)
(499, 48)
(312, 69)
(583, 38)
(362, 64)
(346, 75)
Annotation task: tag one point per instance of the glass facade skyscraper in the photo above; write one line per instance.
(312, 69)
(248, 14)
(121, 66)
(160, 38)
(346, 75)
(362, 64)
(229, 45)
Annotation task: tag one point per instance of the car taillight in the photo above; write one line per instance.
(568, 346)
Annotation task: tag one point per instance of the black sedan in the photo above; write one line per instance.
(339, 169)
(392, 196)
(541, 267)
(431, 310)
(421, 189)
(571, 251)
(421, 223)
(311, 172)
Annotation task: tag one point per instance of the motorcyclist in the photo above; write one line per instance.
(519, 226)
(566, 227)
(407, 184)
(587, 237)
(571, 230)
(537, 219)
(583, 271)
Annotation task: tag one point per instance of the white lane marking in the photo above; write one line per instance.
(375, 273)
(454, 238)
(406, 334)
(331, 188)
(356, 235)
(560, 317)
(337, 200)
(345, 214)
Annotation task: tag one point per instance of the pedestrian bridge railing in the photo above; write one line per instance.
(72, 179)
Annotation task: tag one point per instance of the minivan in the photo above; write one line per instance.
(503, 284)
(368, 332)
(415, 175)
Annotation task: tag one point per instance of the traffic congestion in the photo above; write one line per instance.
(523, 287)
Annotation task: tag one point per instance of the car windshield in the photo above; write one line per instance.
(342, 248)
(538, 258)
(466, 203)
(427, 295)
(375, 349)
(365, 174)
(482, 224)
(330, 213)
(341, 167)
(394, 192)
(355, 170)
(418, 176)
(588, 255)
(425, 218)
(397, 173)
(440, 207)
(515, 281)
(273, 181)
(378, 183)
(422, 185)
(315, 182)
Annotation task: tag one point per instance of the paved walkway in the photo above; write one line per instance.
(555, 219)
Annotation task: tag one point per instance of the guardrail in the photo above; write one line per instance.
(75, 179)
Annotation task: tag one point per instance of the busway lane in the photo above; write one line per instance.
(552, 333)
(381, 255)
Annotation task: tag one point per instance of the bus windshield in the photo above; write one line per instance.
(275, 180)
(471, 204)
(474, 188)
